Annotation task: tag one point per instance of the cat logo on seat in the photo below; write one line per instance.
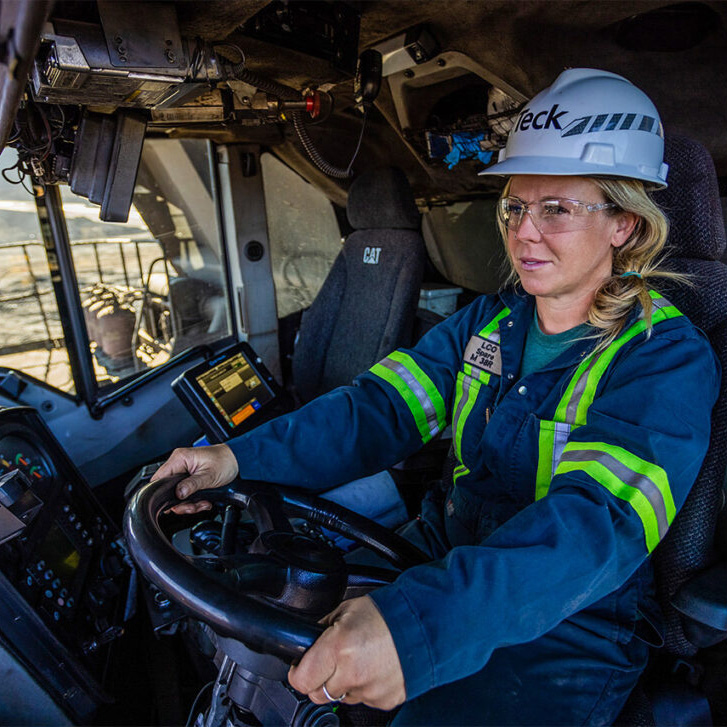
(371, 255)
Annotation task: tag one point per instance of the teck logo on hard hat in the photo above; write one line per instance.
(587, 124)
(541, 120)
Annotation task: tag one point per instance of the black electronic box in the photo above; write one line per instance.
(230, 393)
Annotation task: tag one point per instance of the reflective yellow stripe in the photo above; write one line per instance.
(581, 390)
(552, 438)
(466, 393)
(481, 376)
(572, 409)
(459, 471)
(469, 382)
(644, 485)
(417, 390)
(491, 330)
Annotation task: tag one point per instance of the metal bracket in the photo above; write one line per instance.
(142, 35)
(220, 702)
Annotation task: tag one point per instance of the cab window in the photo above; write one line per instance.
(303, 233)
(156, 285)
(32, 340)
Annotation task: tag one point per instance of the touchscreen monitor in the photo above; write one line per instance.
(230, 393)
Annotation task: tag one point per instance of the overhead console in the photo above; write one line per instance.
(64, 583)
(107, 72)
(449, 107)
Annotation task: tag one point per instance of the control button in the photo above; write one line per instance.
(70, 603)
(79, 526)
(56, 616)
(63, 592)
(84, 534)
(72, 517)
(56, 583)
(66, 508)
(40, 565)
(89, 542)
(29, 580)
(48, 575)
(61, 602)
(48, 593)
(522, 390)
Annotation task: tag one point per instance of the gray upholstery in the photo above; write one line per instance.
(366, 306)
(691, 201)
(381, 199)
(697, 241)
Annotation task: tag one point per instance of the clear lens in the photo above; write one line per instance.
(550, 215)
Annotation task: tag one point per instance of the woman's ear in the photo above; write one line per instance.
(625, 224)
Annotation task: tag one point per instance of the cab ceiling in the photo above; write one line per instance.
(523, 43)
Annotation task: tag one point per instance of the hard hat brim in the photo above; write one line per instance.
(549, 166)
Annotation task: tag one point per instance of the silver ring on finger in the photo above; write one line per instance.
(333, 699)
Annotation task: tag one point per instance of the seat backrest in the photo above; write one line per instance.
(696, 244)
(367, 304)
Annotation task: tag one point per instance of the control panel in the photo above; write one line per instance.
(64, 573)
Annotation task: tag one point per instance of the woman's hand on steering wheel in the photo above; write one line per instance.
(207, 467)
(354, 658)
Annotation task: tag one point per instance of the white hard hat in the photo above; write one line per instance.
(588, 123)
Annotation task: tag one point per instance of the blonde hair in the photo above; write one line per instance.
(642, 253)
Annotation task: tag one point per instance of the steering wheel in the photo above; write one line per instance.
(275, 593)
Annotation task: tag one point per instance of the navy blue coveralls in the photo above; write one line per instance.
(566, 481)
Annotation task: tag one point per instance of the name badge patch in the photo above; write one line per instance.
(484, 355)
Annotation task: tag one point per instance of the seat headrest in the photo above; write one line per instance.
(382, 199)
(691, 201)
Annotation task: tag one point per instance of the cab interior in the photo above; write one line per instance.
(182, 177)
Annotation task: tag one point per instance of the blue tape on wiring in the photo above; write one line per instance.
(466, 145)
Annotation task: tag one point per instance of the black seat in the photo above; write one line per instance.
(367, 304)
(696, 244)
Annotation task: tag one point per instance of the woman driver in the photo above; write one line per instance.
(579, 400)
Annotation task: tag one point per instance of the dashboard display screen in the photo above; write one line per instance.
(60, 554)
(230, 393)
(234, 389)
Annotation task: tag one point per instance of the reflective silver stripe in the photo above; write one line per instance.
(656, 304)
(637, 480)
(466, 384)
(560, 439)
(418, 390)
(494, 336)
(577, 393)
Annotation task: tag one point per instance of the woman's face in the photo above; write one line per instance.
(565, 265)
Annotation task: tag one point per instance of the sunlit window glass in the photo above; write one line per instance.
(154, 286)
(32, 340)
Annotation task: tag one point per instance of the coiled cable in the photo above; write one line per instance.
(286, 93)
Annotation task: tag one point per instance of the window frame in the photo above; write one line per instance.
(57, 243)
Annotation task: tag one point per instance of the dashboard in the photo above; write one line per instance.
(17, 453)
(65, 583)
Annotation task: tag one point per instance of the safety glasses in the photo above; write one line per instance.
(550, 215)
